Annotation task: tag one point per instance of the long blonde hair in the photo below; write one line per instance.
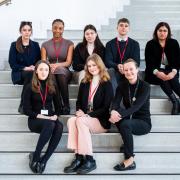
(104, 76)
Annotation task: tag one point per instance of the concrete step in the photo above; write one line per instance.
(147, 164)
(14, 91)
(158, 106)
(155, 2)
(90, 177)
(160, 123)
(105, 142)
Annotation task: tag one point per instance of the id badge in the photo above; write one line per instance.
(44, 112)
(162, 66)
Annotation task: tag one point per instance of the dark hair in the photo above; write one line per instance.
(123, 20)
(49, 81)
(58, 20)
(97, 44)
(19, 45)
(131, 60)
(158, 26)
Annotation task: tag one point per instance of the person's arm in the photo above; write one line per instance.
(68, 61)
(109, 58)
(78, 63)
(27, 102)
(136, 53)
(143, 95)
(38, 53)
(13, 59)
(43, 54)
(107, 101)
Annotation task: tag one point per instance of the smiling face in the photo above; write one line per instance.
(57, 29)
(26, 32)
(90, 35)
(42, 71)
(123, 28)
(130, 71)
(162, 33)
(93, 68)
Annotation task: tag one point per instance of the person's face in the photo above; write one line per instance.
(90, 35)
(93, 68)
(123, 28)
(26, 32)
(162, 33)
(42, 71)
(130, 71)
(57, 29)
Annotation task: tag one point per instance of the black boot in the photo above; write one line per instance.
(88, 165)
(75, 164)
(176, 105)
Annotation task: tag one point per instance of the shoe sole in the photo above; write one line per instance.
(87, 171)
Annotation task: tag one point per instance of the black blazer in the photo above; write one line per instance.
(81, 54)
(101, 102)
(18, 60)
(153, 55)
(140, 109)
(112, 58)
(32, 103)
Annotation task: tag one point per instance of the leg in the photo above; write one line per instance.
(62, 81)
(175, 85)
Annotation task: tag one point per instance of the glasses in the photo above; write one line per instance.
(26, 23)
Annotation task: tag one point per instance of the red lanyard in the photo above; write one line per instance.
(163, 55)
(121, 55)
(57, 51)
(43, 97)
(92, 93)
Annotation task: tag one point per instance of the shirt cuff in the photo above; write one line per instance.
(174, 70)
(155, 71)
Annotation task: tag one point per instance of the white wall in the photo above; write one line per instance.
(75, 13)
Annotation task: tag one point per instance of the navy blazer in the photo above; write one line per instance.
(18, 60)
(112, 58)
(101, 102)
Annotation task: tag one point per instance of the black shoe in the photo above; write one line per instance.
(87, 167)
(66, 110)
(176, 105)
(32, 164)
(20, 109)
(121, 167)
(74, 166)
(41, 167)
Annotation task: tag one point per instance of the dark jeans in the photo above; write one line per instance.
(128, 127)
(49, 131)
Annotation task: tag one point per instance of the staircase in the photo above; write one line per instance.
(157, 154)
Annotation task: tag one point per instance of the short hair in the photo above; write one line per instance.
(104, 76)
(158, 26)
(131, 60)
(123, 20)
(58, 20)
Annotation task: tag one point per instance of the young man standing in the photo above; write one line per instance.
(119, 50)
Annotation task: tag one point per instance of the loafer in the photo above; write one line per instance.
(121, 167)
(41, 167)
(74, 166)
(32, 164)
(87, 167)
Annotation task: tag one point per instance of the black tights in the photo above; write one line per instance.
(49, 131)
(62, 82)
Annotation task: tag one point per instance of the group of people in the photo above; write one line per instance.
(110, 89)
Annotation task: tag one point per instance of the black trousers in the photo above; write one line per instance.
(49, 131)
(128, 127)
(26, 79)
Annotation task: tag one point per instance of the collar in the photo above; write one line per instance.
(120, 38)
